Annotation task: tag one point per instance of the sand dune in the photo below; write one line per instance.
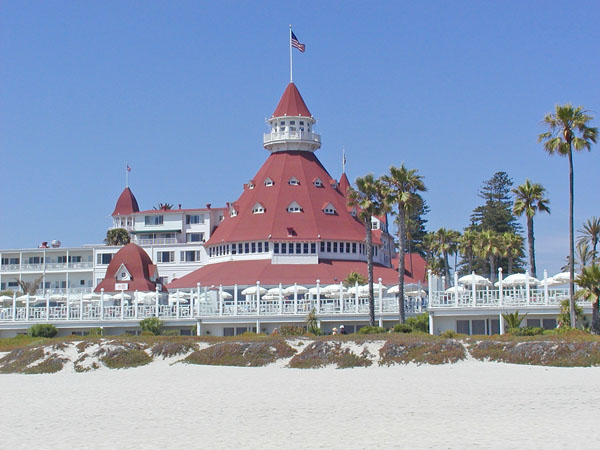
(465, 405)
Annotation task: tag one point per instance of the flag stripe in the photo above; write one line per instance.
(297, 44)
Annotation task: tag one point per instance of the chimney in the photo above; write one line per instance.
(208, 206)
(180, 206)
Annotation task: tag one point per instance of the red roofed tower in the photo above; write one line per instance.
(126, 204)
(131, 267)
(291, 223)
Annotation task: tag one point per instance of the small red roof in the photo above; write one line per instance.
(327, 271)
(291, 103)
(344, 184)
(126, 204)
(138, 264)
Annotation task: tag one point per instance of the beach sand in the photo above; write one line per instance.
(466, 405)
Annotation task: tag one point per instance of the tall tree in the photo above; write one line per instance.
(117, 236)
(511, 248)
(488, 247)
(590, 233)
(163, 206)
(589, 282)
(446, 242)
(529, 199)
(568, 130)
(467, 244)
(403, 186)
(496, 213)
(369, 198)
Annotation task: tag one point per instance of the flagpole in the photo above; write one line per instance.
(343, 160)
(291, 78)
(126, 175)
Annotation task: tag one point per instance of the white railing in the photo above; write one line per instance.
(494, 298)
(292, 136)
(10, 267)
(157, 241)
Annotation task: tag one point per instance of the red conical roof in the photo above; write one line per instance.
(276, 223)
(138, 264)
(344, 184)
(126, 204)
(291, 103)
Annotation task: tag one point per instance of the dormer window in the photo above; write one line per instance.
(123, 274)
(250, 185)
(294, 208)
(353, 212)
(334, 184)
(268, 182)
(233, 213)
(318, 182)
(293, 181)
(258, 209)
(329, 209)
(375, 224)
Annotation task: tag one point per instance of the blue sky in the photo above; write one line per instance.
(180, 90)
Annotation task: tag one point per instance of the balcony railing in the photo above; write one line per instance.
(291, 136)
(157, 241)
(48, 266)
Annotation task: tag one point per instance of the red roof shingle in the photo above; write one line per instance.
(126, 204)
(291, 103)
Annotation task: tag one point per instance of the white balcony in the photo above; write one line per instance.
(156, 241)
(291, 140)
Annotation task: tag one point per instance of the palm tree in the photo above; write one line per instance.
(369, 198)
(488, 247)
(446, 242)
(466, 246)
(163, 206)
(589, 282)
(568, 129)
(590, 233)
(117, 236)
(529, 199)
(512, 247)
(583, 258)
(402, 188)
(353, 278)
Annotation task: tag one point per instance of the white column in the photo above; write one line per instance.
(136, 300)
(27, 308)
(220, 299)
(14, 305)
(280, 299)
(295, 298)
(257, 302)
(545, 287)
(474, 289)
(501, 323)
(156, 303)
(500, 288)
(431, 321)
(102, 304)
(122, 304)
(47, 307)
(380, 295)
(318, 296)
(341, 297)
(198, 329)
(80, 305)
(177, 304)
(198, 301)
(455, 288)
(527, 293)
(235, 300)
(68, 308)
(356, 294)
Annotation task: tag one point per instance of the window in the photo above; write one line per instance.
(291, 247)
(254, 247)
(305, 247)
(347, 247)
(268, 182)
(322, 247)
(250, 185)
(190, 256)
(266, 246)
(233, 249)
(165, 257)
(313, 248)
(194, 219)
(318, 182)
(61, 259)
(283, 247)
(354, 247)
(375, 224)
(301, 122)
(353, 212)
(293, 181)
(36, 260)
(328, 247)
(276, 247)
(294, 208)
(329, 209)
(292, 122)
(260, 247)
(233, 212)
(341, 247)
(335, 247)
(195, 237)
(282, 123)
(104, 258)
(153, 220)
(240, 248)
(298, 247)
(258, 209)
(246, 247)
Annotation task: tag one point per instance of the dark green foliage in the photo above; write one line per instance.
(117, 236)
(419, 323)
(371, 330)
(95, 332)
(122, 358)
(42, 330)
(323, 353)
(526, 331)
(152, 325)
(415, 227)
(449, 334)
(291, 330)
(312, 323)
(402, 328)
(169, 349)
(513, 320)
(436, 352)
(170, 333)
(244, 354)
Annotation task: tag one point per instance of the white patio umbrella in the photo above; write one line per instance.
(477, 279)
(561, 278)
(5, 298)
(517, 279)
(415, 293)
(22, 298)
(275, 291)
(58, 297)
(270, 297)
(252, 290)
(290, 290)
(93, 296)
(453, 289)
(362, 290)
(334, 289)
(227, 296)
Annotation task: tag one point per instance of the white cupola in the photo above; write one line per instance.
(291, 125)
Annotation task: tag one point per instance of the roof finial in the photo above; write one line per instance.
(127, 170)
(343, 160)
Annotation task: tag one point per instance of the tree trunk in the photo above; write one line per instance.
(571, 242)
(446, 270)
(595, 318)
(530, 240)
(401, 232)
(369, 243)
(492, 270)
(470, 262)
(510, 265)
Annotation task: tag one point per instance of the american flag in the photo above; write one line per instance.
(128, 168)
(297, 44)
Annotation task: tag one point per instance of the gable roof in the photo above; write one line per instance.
(138, 264)
(126, 204)
(312, 224)
(291, 103)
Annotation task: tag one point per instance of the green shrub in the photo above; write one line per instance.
(147, 333)
(513, 320)
(419, 323)
(42, 330)
(526, 331)
(291, 330)
(312, 323)
(449, 334)
(402, 328)
(371, 330)
(170, 333)
(152, 324)
(97, 331)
